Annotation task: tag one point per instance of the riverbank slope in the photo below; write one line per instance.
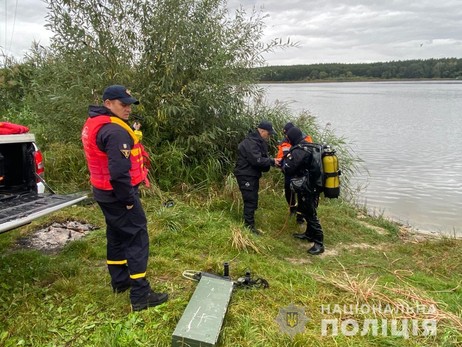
(378, 283)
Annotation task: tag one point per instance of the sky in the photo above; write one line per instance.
(327, 31)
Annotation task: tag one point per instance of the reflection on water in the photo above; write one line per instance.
(407, 133)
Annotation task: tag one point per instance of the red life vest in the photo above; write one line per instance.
(97, 160)
(7, 128)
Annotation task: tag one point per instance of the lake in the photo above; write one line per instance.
(409, 136)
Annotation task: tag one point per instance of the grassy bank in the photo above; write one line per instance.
(65, 299)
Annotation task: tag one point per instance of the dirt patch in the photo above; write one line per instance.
(308, 259)
(334, 251)
(342, 247)
(378, 230)
(364, 246)
(299, 261)
(54, 237)
(329, 252)
(411, 235)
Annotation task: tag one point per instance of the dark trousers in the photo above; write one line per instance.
(307, 205)
(291, 198)
(249, 186)
(127, 246)
(289, 194)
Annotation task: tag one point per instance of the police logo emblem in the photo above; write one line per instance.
(292, 320)
(125, 151)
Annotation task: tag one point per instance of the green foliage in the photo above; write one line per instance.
(187, 61)
(184, 59)
(450, 68)
(15, 79)
(65, 168)
(26, 117)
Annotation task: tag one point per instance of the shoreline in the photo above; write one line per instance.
(407, 228)
(428, 233)
(391, 80)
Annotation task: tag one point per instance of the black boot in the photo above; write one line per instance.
(316, 249)
(252, 229)
(150, 300)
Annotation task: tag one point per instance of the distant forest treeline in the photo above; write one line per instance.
(448, 68)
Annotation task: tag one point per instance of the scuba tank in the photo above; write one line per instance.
(331, 173)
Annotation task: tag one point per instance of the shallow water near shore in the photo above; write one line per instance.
(407, 133)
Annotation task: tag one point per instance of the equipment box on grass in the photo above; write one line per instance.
(202, 319)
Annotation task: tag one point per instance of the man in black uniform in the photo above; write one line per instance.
(299, 162)
(252, 160)
(116, 163)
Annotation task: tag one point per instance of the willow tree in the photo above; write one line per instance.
(187, 61)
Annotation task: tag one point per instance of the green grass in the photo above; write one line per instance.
(65, 299)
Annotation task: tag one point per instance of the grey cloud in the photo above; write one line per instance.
(352, 31)
(24, 20)
(327, 31)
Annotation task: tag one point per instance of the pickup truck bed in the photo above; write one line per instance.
(22, 209)
(22, 188)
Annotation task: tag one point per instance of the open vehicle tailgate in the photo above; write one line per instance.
(18, 210)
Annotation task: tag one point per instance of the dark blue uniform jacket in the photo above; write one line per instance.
(252, 157)
(113, 139)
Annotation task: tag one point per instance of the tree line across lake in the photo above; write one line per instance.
(445, 68)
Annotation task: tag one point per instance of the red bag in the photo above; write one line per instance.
(7, 128)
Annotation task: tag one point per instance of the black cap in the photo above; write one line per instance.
(287, 127)
(266, 126)
(294, 135)
(118, 92)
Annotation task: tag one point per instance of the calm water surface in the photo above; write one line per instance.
(409, 136)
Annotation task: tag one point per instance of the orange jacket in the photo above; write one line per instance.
(97, 160)
(284, 146)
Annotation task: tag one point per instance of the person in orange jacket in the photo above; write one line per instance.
(284, 148)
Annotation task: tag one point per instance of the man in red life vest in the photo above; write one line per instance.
(115, 160)
(284, 148)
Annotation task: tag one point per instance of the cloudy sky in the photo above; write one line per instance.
(342, 31)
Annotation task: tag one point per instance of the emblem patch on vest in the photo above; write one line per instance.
(125, 151)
